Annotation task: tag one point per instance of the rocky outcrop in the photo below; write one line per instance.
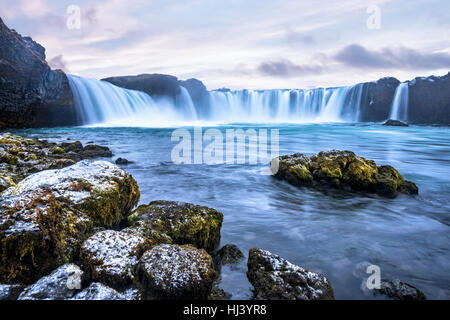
(342, 170)
(31, 94)
(429, 100)
(395, 123)
(175, 272)
(61, 284)
(177, 222)
(111, 255)
(399, 290)
(199, 95)
(376, 100)
(45, 218)
(275, 278)
(20, 157)
(155, 85)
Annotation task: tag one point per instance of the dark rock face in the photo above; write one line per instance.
(31, 94)
(275, 278)
(199, 95)
(429, 100)
(399, 290)
(342, 170)
(61, 284)
(156, 85)
(170, 271)
(377, 99)
(395, 123)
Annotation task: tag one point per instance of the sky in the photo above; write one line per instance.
(241, 43)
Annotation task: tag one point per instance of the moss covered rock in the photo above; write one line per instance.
(179, 223)
(47, 216)
(111, 255)
(172, 271)
(275, 278)
(342, 170)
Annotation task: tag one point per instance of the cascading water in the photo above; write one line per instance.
(100, 102)
(399, 108)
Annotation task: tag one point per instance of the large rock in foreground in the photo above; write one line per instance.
(275, 278)
(47, 216)
(342, 170)
(111, 255)
(176, 272)
(177, 222)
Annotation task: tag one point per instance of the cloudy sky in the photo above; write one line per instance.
(256, 44)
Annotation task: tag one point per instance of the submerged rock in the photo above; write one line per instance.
(61, 284)
(10, 291)
(111, 255)
(342, 170)
(395, 123)
(172, 271)
(399, 290)
(99, 291)
(275, 278)
(218, 294)
(47, 216)
(123, 161)
(177, 222)
(228, 254)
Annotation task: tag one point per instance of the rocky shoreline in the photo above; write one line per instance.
(69, 230)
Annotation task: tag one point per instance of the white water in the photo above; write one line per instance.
(102, 103)
(399, 108)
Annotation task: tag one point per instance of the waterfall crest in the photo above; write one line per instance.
(399, 107)
(102, 103)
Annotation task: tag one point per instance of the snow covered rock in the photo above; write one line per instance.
(10, 291)
(177, 222)
(47, 216)
(275, 278)
(61, 284)
(111, 255)
(172, 271)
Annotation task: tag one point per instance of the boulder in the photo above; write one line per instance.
(399, 290)
(122, 161)
(10, 291)
(275, 278)
(171, 271)
(47, 216)
(395, 123)
(228, 254)
(98, 291)
(342, 170)
(61, 284)
(177, 222)
(111, 255)
(218, 294)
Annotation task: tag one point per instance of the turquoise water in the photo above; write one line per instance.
(335, 233)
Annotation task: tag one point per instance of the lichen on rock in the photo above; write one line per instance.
(342, 170)
(171, 271)
(177, 222)
(111, 255)
(275, 278)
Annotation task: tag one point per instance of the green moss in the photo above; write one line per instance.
(57, 150)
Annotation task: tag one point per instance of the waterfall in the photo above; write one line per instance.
(102, 103)
(399, 107)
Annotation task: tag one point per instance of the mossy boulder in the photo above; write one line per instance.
(178, 223)
(47, 216)
(342, 170)
(111, 255)
(275, 278)
(171, 271)
(228, 254)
